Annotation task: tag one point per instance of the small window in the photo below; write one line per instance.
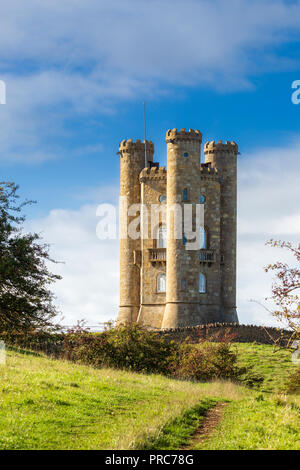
(162, 237)
(185, 194)
(161, 283)
(203, 238)
(202, 283)
(183, 284)
(186, 154)
(202, 199)
(162, 198)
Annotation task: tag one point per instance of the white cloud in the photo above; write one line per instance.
(268, 207)
(169, 40)
(64, 58)
(90, 285)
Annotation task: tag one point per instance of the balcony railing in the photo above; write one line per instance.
(207, 256)
(157, 254)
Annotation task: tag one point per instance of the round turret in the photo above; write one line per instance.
(223, 156)
(183, 135)
(132, 162)
(228, 147)
(183, 187)
(130, 145)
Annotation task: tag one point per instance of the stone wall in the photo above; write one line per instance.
(237, 333)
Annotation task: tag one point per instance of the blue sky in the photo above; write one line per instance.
(77, 73)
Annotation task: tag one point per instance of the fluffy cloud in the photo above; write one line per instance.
(169, 40)
(268, 207)
(67, 58)
(90, 267)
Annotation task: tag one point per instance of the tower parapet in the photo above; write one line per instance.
(138, 145)
(153, 173)
(211, 147)
(183, 135)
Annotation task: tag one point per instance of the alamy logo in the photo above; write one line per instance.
(2, 92)
(296, 94)
(141, 221)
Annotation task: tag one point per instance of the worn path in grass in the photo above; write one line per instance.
(259, 422)
(211, 420)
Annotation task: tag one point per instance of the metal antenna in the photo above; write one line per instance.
(145, 134)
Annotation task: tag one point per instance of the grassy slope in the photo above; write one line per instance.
(275, 367)
(48, 404)
(263, 420)
(51, 404)
(259, 422)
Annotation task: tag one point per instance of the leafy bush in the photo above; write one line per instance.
(208, 361)
(293, 385)
(126, 347)
(135, 348)
(49, 342)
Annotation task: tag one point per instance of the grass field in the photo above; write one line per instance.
(52, 404)
(275, 367)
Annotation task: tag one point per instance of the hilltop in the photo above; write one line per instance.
(54, 404)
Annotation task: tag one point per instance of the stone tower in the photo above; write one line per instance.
(164, 283)
(183, 178)
(132, 155)
(224, 157)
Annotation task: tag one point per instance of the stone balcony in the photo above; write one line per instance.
(157, 255)
(207, 256)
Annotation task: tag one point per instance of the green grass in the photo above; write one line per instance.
(275, 367)
(259, 422)
(53, 404)
(176, 433)
(264, 419)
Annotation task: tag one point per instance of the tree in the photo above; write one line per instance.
(26, 302)
(285, 288)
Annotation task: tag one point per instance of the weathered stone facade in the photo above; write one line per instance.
(162, 283)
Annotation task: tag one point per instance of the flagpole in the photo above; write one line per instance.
(145, 135)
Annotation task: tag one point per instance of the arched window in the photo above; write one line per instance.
(202, 283)
(186, 154)
(184, 239)
(162, 237)
(185, 194)
(203, 238)
(202, 199)
(183, 284)
(161, 283)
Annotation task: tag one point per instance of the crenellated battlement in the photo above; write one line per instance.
(153, 173)
(130, 145)
(207, 170)
(183, 134)
(228, 147)
(209, 173)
